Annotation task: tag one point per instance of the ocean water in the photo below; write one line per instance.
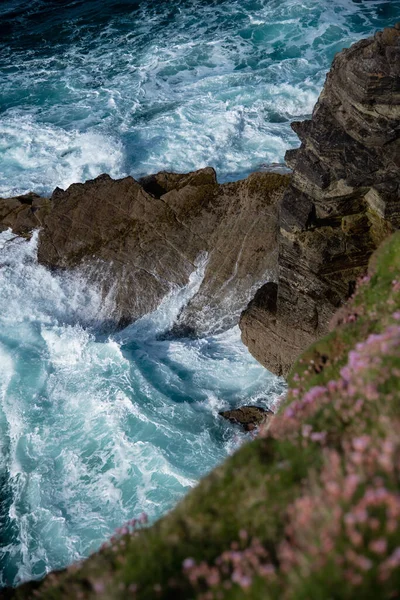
(134, 87)
(95, 430)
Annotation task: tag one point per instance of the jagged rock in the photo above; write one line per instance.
(343, 200)
(139, 240)
(249, 417)
(23, 213)
(242, 252)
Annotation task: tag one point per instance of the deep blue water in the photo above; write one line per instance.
(95, 430)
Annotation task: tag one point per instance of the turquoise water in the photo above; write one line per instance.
(95, 430)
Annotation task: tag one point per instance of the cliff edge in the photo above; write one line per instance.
(343, 200)
(310, 509)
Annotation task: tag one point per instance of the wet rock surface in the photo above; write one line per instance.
(138, 241)
(343, 200)
(24, 213)
(249, 417)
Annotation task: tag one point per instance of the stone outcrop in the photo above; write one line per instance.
(249, 417)
(23, 213)
(139, 240)
(342, 201)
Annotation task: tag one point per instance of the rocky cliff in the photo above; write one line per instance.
(344, 198)
(139, 240)
(311, 508)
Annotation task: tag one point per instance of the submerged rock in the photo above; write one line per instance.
(344, 199)
(250, 417)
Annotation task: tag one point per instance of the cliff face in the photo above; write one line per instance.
(344, 198)
(139, 240)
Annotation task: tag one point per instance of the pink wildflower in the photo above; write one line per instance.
(243, 535)
(98, 587)
(378, 546)
(361, 443)
(396, 285)
(364, 563)
(188, 563)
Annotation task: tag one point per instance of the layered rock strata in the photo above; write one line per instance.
(342, 201)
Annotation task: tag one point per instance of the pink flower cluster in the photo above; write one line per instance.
(351, 519)
(346, 520)
(396, 286)
(235, 567)
(350, 400)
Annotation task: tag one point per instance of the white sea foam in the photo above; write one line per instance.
(96, 430)
(169, 86)
(164, 317)
(38, 156)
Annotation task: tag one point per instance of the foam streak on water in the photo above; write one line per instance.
(91, 86)
(96, 430)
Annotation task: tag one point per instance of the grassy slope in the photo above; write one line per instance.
(308, 510)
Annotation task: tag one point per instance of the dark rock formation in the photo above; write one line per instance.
(249, 417)
(343, 200)
(23, 213)
(242, 251)
(139, 240)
